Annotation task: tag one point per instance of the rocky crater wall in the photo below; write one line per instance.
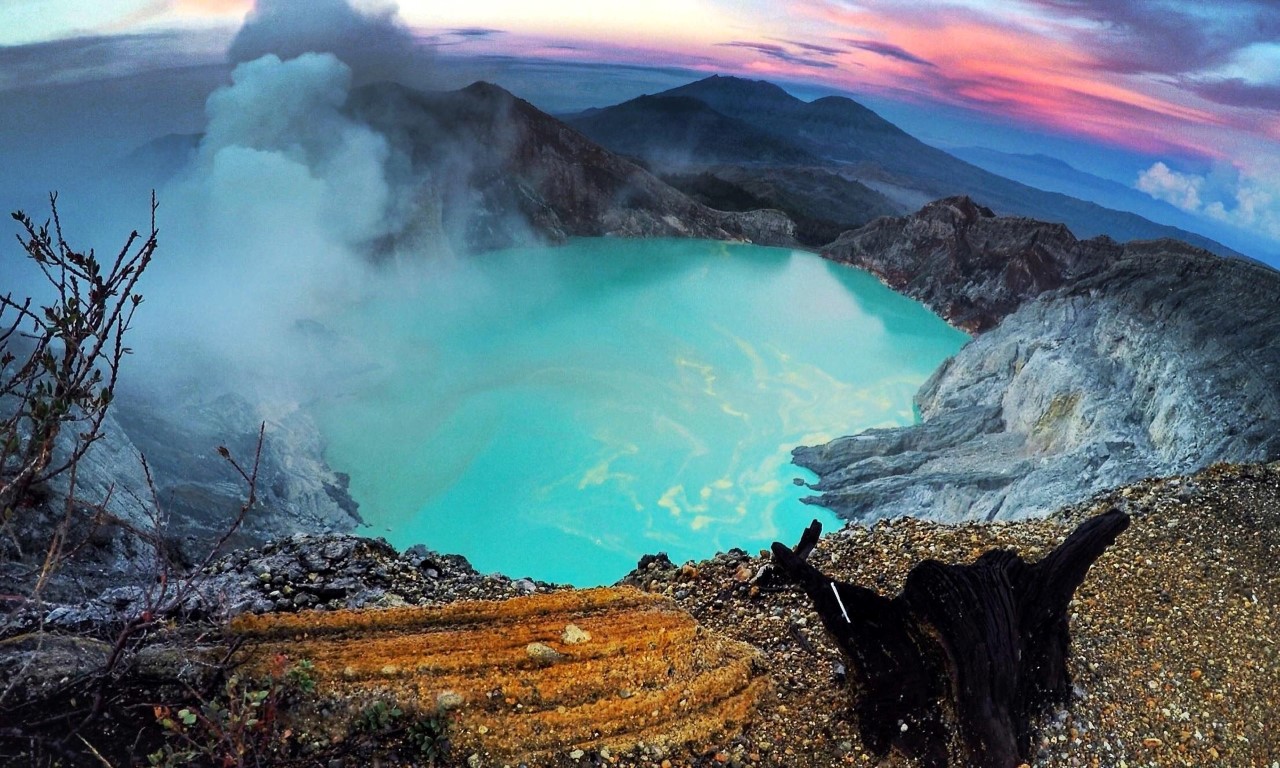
(1150, 359)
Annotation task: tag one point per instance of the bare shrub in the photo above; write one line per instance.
(59, 362)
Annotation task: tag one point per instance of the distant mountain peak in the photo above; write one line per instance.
(960, 204)
(528, 178)
(839, 102)
(733, 81)
(666, 103)
(718, 88)
(845, 137)
(678, 128)
(846, 111)
(487, 90)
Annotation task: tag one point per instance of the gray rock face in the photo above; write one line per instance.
(1159, 359)
(196, 497)
(110, 473)
(298, 572)
(201, 493)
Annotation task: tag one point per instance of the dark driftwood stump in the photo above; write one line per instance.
(989, 638)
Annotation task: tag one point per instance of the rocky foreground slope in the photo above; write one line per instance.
(1175, 655)
(1095, 365)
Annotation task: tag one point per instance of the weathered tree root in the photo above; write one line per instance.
(989, 638)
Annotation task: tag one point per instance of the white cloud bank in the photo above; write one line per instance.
(1250, 201)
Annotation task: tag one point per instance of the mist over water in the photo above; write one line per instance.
(559, 412)
(547, 412)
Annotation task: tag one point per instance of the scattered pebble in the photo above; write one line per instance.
(1175, 650)
(574, 635)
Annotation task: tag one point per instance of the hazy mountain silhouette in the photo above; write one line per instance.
(823, 204)
(732, 165)
(669, 131)
(499, 172)
(1054, 175)
(846, 138)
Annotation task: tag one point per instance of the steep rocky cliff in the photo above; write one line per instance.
(967, 264)
(296, 490)
(190, 499)
(1097, 365)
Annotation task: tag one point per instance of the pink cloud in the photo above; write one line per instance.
(1077, 67)
(229, 8)
(1026, 67)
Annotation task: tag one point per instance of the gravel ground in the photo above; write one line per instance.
(1175, 655)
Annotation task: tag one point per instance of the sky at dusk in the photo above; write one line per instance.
(1189, 92)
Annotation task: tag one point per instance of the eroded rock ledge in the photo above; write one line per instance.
(1095, 365)
(531, 678)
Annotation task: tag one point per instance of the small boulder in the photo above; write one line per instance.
(543, 653)
(574, 635)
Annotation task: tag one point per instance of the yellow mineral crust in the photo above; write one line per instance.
(646, 673)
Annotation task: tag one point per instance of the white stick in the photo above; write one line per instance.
(836, 592)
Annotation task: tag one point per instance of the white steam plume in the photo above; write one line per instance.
(278, 217)
(272, 218)
(369, 37)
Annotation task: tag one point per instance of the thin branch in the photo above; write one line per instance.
(95, 752)
(159, 602)
(251, 499)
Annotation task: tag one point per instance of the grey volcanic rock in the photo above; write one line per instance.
(201, 493)
(497, 172)
(302, 571)
(195, 498)
(109, 473)
(345, 571)
(1159, 359)
(967, 264)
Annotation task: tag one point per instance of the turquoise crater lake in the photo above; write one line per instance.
(558, 412)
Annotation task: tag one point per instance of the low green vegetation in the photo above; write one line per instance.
(244, 725)
(423, 737)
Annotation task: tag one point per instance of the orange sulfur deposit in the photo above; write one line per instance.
(533, 676)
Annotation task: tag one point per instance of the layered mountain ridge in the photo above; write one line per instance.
(849, 140)
(500, 172)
